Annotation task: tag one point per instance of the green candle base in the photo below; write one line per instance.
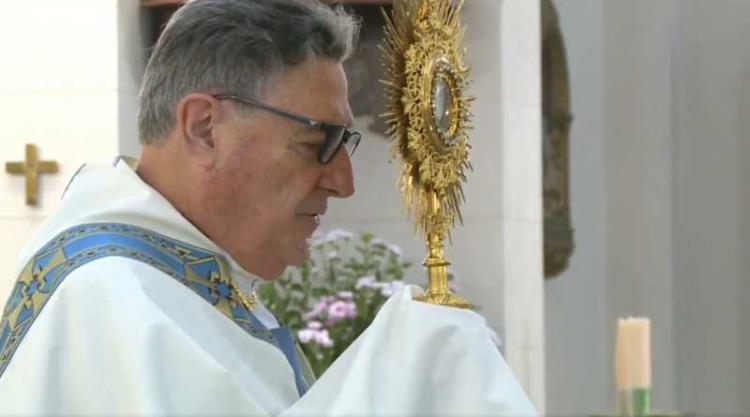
(641, 402)
(634, 403)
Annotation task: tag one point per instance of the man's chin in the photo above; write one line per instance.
(296, 254)
(301, 256)
(289, 254)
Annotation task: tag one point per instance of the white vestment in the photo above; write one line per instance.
(119, 336)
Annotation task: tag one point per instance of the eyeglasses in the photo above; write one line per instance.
(335, 135)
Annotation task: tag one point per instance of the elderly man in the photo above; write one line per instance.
(136, 297)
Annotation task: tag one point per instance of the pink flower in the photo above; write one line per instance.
(319, 308)
(320, 337)
(341, 310)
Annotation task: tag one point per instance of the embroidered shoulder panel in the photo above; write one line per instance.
(203, 272)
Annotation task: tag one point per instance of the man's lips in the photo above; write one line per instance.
(312, 212)
(314, 209)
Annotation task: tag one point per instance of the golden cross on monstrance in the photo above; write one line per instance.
(31, 169)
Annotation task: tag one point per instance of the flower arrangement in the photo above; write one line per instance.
(329, 301)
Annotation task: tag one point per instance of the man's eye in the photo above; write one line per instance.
(309, 144)
(311, 148)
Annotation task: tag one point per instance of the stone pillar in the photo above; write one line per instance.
(520, 66)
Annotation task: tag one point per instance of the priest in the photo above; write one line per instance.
(137, 295)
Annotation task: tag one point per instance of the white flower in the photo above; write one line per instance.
(319, 239)
(366, 282)
(396, 250)
(314, 325)
(378, 242)
(338, 234)
(388, 289)
(346, 295)
(305, 336)
(320, 337)
(323, 338)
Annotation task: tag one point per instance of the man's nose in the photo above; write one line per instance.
(337, 177)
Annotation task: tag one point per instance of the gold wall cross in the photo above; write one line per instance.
(31, 169)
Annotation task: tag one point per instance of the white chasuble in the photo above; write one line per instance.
(127, 333)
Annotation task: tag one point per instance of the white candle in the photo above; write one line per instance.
(633, 354)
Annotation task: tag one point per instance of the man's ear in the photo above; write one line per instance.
(196, 116)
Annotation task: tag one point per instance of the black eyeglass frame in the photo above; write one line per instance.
(335, 135)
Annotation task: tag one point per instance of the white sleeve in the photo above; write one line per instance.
(418, 359)
(101, 346)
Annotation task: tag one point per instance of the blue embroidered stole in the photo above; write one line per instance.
(204, 272)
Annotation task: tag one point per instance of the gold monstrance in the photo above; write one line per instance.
(428, 119)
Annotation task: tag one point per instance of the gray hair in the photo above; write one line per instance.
(238, 47)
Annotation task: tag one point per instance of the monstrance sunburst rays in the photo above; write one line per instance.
(428, 118)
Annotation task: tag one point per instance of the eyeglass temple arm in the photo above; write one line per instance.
(311, 123)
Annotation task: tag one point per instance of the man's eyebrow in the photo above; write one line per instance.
(347, 121)
(348, 124)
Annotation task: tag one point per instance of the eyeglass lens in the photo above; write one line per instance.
(335, 137)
